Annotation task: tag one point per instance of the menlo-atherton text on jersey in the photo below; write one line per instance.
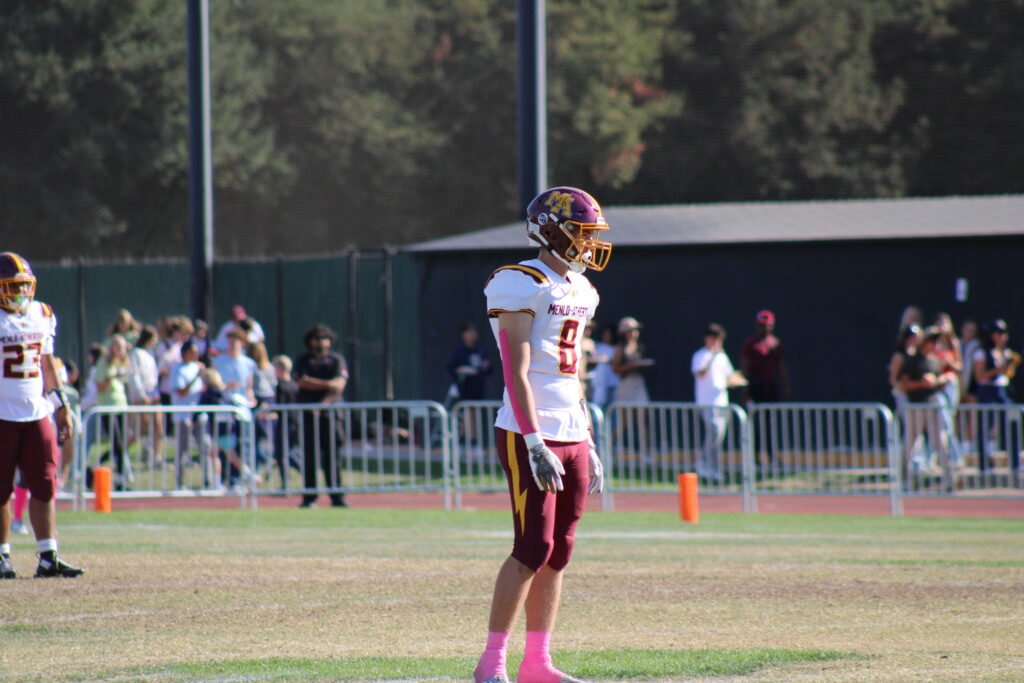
(561, 307)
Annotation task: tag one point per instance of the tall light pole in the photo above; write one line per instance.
(200, 159)
(531, 87)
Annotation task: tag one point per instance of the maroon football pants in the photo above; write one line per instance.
(32, 447)
(545, 523)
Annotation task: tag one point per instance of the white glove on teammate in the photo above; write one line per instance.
(546, 467)
(596, 469)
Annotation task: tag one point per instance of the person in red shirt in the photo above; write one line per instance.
(763, 364)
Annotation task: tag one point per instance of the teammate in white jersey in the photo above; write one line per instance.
(538, 311)
(30, 387)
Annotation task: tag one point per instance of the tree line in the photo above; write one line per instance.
(369, 122)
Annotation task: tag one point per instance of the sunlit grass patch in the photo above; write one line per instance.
(627, 664)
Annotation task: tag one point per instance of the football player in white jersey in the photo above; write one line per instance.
(30, 388)
(538, 311)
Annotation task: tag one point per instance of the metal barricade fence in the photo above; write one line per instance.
(825, 449)
(339, 448)
(157, 451)
(968, 449)
(648, 445)
(333, 449)
(475, 465)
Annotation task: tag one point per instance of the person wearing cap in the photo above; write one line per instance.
(253, 330)
(763, 364)
(994, 365)
(629, 362)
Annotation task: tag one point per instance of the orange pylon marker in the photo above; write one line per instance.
(689, 508)
(101, 489)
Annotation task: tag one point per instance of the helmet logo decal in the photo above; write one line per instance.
(560, 202)
(542, 219)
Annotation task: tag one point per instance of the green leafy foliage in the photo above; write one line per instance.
(345, 122)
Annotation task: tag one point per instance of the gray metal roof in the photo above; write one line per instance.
(814, 221)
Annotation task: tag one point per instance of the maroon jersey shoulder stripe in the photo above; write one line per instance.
(538, 276)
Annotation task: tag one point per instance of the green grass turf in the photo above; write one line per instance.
(940, 551)
(604, 665)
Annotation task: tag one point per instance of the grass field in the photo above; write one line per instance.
(325, 594)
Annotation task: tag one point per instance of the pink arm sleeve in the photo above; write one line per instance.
(506, 364)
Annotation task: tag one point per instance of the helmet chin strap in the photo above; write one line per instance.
(577, 268)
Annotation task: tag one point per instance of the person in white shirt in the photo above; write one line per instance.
(253, 330)
(713, 375)
(143, 390)
(186, 380)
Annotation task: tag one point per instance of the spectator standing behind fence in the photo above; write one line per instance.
(237, 371)
(168, 352)
(253, 330)
(125, 325)
(630, 362)
(949, 353)
(201, 336)
(321, 375)
(911, 315)
(186, 388)
(994, 366)
(143, 390)
(96, 352)
(970, 341)
(113, 372)
(264, 386)
(469, 365)
(906, 346)
(922, 379)
(603, 380)
(220, 436)
(286, 392)
(763, 363)
(905, 355)
(713, 376)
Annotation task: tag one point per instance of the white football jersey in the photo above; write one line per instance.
(561, 307)
(24, 340)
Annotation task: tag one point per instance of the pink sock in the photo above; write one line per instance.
(537, 666)
(492, 661)
(20, 502)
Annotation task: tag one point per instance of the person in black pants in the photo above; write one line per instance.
(321, 375)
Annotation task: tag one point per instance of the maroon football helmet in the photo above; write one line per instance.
(565, 221)
(17, 283)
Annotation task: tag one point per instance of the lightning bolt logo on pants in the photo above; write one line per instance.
(518, 496)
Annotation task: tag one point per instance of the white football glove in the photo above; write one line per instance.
(596, 470)
(546, 467)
